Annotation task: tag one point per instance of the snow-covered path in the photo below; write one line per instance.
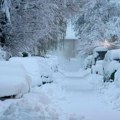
(83, 100)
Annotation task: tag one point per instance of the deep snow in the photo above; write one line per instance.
(72, 96)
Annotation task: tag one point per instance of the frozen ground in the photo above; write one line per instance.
(72, 96)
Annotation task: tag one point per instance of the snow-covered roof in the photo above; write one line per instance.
(70, 33)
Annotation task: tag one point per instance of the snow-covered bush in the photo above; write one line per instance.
(37, 68)
(13, 79)
(88, 62)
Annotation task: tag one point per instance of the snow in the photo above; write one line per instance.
(3, 55)
(77, 95)
(100, 49)
(98, 68)
(36, 67)
(109, 68)
(13, 79)
(110, 63)
(88, 62)
(117, 76)
(112, 54)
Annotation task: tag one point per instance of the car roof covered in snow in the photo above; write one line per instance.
(112, 55)
(100, 49)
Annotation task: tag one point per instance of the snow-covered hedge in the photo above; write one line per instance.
(37, 68)
(13, 79)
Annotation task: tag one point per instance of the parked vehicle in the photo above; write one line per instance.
(37, 68)
(98, 54)
(97, 59)
(111, 64)
(13, 80)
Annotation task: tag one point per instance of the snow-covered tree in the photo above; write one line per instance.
(98, 20)
(36, 23)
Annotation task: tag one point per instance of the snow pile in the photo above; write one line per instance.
(88, 62)
(40, 104)
(53, 63)
(37, 68)
(111, 94)
(98, 68)
(34, 106)
(13, 79)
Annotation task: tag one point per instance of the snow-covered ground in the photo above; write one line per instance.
(75, 95)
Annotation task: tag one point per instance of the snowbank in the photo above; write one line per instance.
(36, 67)
(98, 68)
(53, 63)
(88, 62)
(13, 79)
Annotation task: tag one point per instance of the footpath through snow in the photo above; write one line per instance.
(83, 100)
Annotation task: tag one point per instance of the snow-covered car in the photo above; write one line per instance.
(37, 68)
(98, 68)
(88, 62)
(111, 64)
(13, 79)
(98, 54)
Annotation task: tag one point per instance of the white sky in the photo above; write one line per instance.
(70, 33)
